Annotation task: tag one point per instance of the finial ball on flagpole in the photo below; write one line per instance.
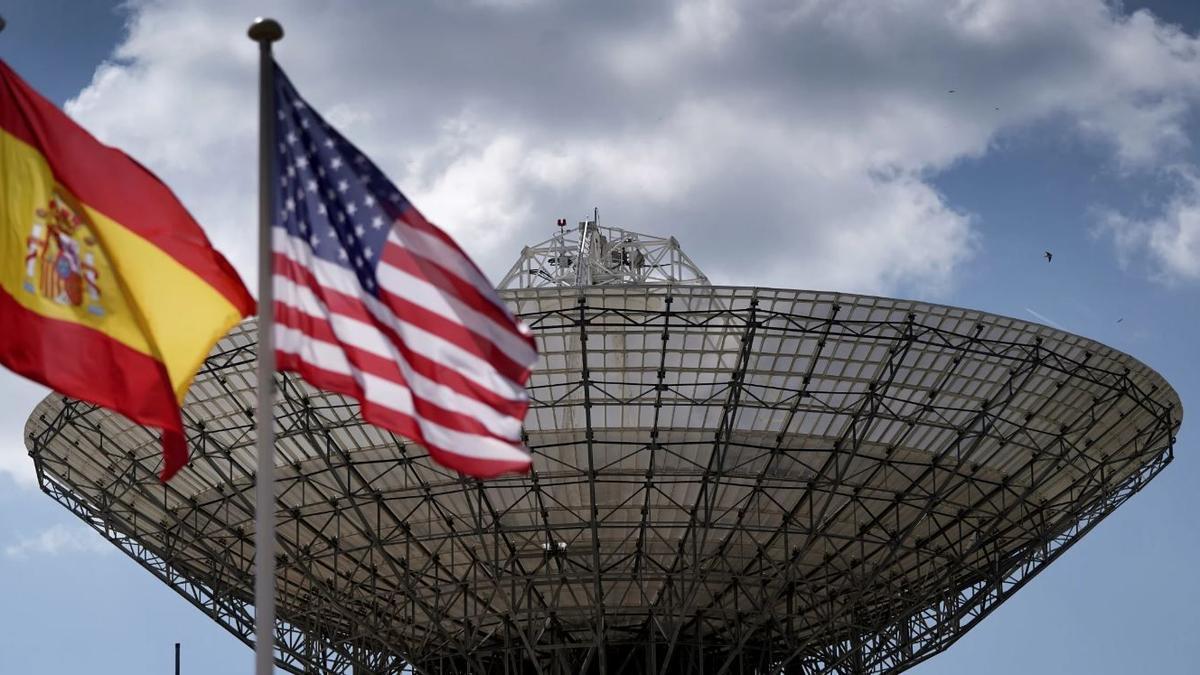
(265, 30)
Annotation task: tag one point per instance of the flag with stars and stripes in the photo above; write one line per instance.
(374, 302)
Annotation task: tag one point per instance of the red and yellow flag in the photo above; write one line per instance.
(109, 290)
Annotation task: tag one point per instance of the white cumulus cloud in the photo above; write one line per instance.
(784, 143)
(1165, 246)
(58, 540)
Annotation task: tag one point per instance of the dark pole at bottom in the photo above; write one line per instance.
(176, 658)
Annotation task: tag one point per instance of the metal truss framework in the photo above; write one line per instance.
(594, 255)
(727, 480)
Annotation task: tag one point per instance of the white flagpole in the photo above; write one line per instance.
(264, 32)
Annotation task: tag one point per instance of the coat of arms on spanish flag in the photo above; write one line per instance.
(109, 290)
(61, 257)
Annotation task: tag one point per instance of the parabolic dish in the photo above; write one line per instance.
(725, 478)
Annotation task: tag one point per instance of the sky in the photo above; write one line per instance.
(927, 149)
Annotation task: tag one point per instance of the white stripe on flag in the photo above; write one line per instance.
(395, 397)
(419, 291)
(429, 345)
(366, 337)
(448, 257)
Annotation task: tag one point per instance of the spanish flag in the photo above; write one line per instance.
(109, 290)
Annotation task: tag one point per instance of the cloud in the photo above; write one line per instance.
(783, 143)
(58, 540)
(1167, 245)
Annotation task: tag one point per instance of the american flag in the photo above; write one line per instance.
(374, 302)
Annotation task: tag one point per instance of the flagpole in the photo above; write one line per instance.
(264, 32)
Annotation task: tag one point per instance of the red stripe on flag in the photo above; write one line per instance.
(412, 313)
(394, 421)
(413, 218)
(68, 356)
(354, 308)
(449, 284)
(321, 329)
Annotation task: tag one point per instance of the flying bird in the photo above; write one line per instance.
(951, 91)
(1120, 319)
(1048, 256)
